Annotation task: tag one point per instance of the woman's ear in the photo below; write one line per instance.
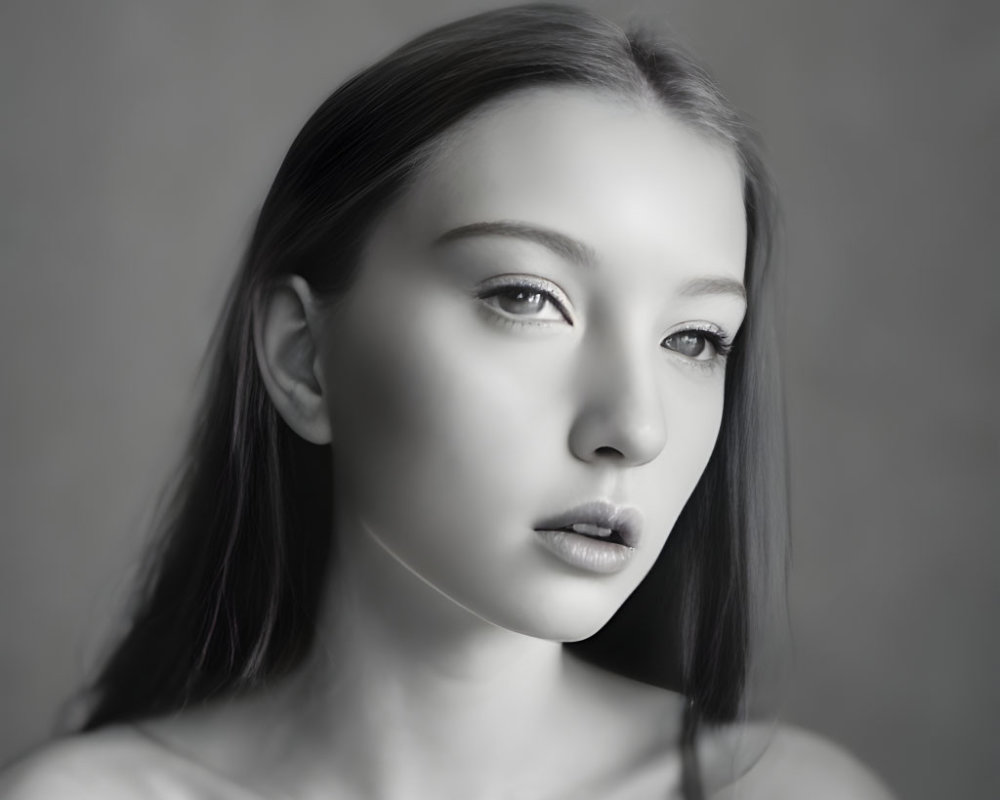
(286, 333)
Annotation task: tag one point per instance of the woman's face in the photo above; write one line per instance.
(526, 381)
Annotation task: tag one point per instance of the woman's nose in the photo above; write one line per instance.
(620, 416)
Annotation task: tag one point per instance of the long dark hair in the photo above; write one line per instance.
(230, 596)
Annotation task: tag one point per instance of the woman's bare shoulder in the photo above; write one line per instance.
(798, 764)
(113, 764)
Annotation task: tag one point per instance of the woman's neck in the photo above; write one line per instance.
(408, 695)
(405, 686)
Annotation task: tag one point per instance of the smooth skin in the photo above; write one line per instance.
(538, 322)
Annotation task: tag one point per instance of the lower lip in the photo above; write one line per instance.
(586, 553)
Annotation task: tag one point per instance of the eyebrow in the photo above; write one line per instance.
(579, 253)
(713, 285)
(558, 243)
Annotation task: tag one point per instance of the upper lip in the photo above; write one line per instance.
(624, 520)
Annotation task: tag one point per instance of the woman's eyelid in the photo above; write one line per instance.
(532, 283)
(700, 326)
(718, 340)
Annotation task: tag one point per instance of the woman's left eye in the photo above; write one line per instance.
(526, 302)
(698, 345)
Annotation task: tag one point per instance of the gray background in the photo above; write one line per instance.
(138, 140)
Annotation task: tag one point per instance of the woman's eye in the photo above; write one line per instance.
(697, 345)
(528, 302)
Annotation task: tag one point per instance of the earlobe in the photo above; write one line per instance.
(286, 331)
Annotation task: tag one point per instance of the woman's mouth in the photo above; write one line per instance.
(597, 537)
(595, 532)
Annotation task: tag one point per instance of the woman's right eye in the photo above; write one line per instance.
(525, 303)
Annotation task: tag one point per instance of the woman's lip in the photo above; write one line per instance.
(585, 552)
(624, 520)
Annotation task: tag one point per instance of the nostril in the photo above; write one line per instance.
(609, 452)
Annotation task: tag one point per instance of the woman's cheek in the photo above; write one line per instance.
(431, 402)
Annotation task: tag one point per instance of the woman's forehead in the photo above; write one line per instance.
(628, 178)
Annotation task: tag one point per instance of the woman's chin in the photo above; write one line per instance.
(559, 620)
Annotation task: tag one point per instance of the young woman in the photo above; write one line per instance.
(485, 499)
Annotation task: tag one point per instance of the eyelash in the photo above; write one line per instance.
(500, 288)
(720, 343)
